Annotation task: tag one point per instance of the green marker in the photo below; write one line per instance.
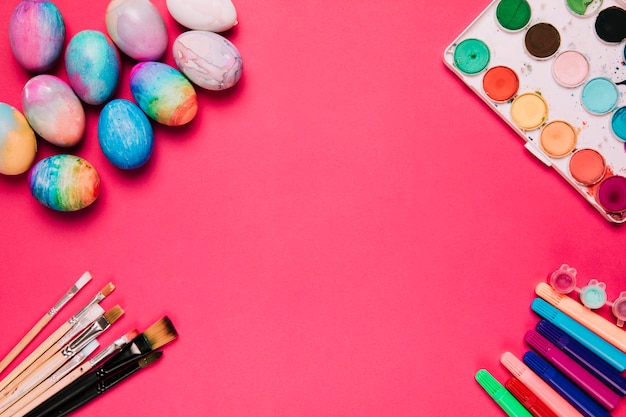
(501, 395)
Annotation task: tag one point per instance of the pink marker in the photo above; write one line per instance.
(541, 389)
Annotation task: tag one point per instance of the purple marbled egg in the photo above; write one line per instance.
(36, 34)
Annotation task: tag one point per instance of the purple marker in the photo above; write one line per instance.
(589, 360)
(574, 371)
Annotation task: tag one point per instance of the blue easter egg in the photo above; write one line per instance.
(93, 66)
(125, 134)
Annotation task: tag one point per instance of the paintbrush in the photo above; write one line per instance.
(59, 358)
(66, 331)
(106, 384)
(156, 336)
(38, 327)
(63, 377)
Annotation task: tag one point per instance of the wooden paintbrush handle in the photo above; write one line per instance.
(41, 349)
(25, 341)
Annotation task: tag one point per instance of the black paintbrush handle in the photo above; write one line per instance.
(103, 386)
(133, 351)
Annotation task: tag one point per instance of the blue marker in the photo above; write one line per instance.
(574, 395)
(589, 360)
(609, 353)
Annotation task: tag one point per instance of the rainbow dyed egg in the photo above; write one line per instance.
(93, 66)
(211, 15)
(163, 93)
(64, 182)
(125, 134)
(18, 144)
(53, 110)
(36, 34)
(137, 28)
(208, 59)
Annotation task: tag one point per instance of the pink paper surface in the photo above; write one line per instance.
(349, 231)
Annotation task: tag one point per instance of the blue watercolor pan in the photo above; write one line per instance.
(564, 62)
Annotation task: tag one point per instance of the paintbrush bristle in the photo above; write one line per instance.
(113, 314)
(107, 289)
(83, 280)
(131, 335)
(160, 333)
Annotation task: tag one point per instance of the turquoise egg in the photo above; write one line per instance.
(36, 34)
(125, 134)
(163, 93)
(93, 66)
(64, 182)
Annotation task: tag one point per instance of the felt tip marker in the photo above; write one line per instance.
(501, 395)
(589, 360)
(591, 320)
(529, 400)
(601, 393)
(574, 395)
(538, 386)
(609, 353)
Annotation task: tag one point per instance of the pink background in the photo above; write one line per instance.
(347, 232)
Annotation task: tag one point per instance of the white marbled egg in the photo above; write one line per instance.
(208, 59)
(211, 15)
(137, 28)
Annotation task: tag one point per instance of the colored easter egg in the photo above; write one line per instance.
(208, 59)
(53, 110)
(137, 28)
(64, 182)
(211, 15)
(163, 93)
(36, 34)
(125, 134)
(93, 66)
(18, 144)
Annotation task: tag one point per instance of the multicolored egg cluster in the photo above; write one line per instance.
(53, 109)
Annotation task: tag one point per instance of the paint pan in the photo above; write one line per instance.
(500, 83)
(554, 72)
(570, 68)
(587, 166)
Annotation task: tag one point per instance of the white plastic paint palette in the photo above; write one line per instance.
(555, 79)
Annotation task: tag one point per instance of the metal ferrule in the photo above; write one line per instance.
(108, 351)
(93, 312)
(75, 361)
(85, 337)
(99, 297)
(59, 305)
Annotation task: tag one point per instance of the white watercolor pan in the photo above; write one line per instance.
(566, 96)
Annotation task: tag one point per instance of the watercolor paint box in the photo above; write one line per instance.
(554, 71)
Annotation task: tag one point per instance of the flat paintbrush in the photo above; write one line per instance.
(106, 384)
(59, 358)
(79, 321)
(38, 327)
(156, 336)
(63, 377)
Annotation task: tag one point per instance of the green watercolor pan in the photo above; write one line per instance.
(554, 71)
